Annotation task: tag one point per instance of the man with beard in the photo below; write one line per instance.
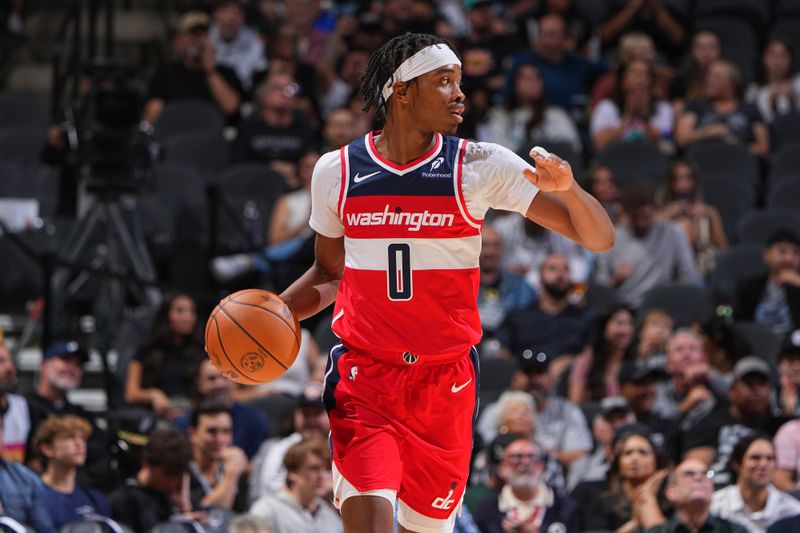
(61, 372)
(561, 428)
(525, 503)
(553, 326)
(16, 420)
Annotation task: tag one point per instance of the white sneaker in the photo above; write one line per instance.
(228, 267)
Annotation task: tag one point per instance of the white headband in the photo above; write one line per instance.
(424, 61)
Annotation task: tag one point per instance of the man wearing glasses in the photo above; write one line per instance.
(526, 503)
(689, 490)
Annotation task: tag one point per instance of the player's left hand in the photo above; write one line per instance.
(552, 173)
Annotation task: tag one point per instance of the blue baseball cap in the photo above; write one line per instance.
(65, 348)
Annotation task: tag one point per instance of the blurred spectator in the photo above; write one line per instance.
(309, 420)
(248, 523)
(713, 438)
(787, 456)
(526, 502)
(566, 75)
(689, 490)
(194, 74)
(691, 84)
(235, 45)
(723, 344)
(160, 488)
(594, 374)
(515, 414)
(218, 470)
(525, 119)
(22, 495)
(655, 330)
(341, 128)
(721, 115)
(773, 299)
(314, 22)
(633, 113)
(502, 294)
(614, 414)
(633, 46)
(250, 426)
(299, 506)
(579, 28)
(161, 374)
(284, 59)
(778, 92)
(648, 252)
(61, 372)
(400, 16)
(553, 325)
(61, 444)
(752, 500)
(690, 392)
(637, 382)
(629, 499)
(526, 245)
(340, 67)
(681, 203)
(16, 418)
(789, 370)
(601, 185)
(652, 17)
(278, 131)
(487, 50)
(289, 250)
(561, 428)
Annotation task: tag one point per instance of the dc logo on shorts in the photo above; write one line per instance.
(410, 358)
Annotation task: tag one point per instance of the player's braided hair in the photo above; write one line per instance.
(385, 60)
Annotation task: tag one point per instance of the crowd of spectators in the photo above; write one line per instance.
(650, 388)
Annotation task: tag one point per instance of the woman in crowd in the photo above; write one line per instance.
(706, 48)
(654, 332)
(602, 186)
(632, 489)
(594, 373)
(633, 112)
(702, 223)
(779, 90)
(526, 120)
(161, 375)
(721, 115)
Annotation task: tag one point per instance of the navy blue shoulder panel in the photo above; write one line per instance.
(434, 178)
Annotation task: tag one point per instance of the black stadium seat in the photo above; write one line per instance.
(635, 161)
(184, 116)
(785, 194)
(735, 265)
(739, 41)
(785, 128)
(728, 158)
(685, 303)
(757, 226)
(17, 110)
(730, 196)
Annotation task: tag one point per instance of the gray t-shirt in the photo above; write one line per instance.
(662, 256)
(285, 515)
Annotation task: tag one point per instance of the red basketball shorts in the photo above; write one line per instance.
(402, 429)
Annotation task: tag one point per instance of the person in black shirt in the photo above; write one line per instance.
(278, 132)
(715, 435)
(158, 491)
(194, 75)
(553, 326)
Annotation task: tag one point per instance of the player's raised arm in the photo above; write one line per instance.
(316, 289)
(564, 207)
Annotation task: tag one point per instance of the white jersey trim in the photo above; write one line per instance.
(458, 170)
(346, 180)
(426, 254)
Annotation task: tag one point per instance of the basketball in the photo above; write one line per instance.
(252, 337)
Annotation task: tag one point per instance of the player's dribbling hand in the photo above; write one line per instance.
(552, 173)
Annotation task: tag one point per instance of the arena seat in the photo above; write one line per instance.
(734, 265)
(757, 226)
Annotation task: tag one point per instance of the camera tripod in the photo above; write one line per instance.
(102, 243)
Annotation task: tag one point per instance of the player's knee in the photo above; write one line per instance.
(368, 514)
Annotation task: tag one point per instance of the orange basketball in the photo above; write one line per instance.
(252, 337)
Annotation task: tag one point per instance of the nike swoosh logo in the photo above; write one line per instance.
(359, 179)
(456, 389)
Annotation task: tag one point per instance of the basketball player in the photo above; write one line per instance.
(398, 215)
